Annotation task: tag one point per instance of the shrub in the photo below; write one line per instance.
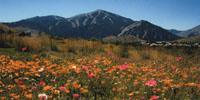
(124, 51)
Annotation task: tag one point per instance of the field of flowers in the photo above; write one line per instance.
(97, 77)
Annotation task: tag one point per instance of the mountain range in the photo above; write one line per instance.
(191, 32)
(98, 24)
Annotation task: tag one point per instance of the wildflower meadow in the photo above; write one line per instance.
(97, 77)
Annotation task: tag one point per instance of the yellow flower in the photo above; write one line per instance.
(83, 90)
(131, 94)
(76, 85)
(191, 84)
(15, 96)
(29, 96)
(167, 82)
(56, 92)
(46, 88)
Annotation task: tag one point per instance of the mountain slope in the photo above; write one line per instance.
(191, 32)
(147, 31)
(174, 31)
(122, 39)
(50, 24)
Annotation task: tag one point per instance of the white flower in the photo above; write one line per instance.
(74, 67)
(41, 69)
(42, 96)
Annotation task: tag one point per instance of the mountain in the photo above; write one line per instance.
(148, 31)
(97, 24)
(174, 31)
(191, 32)
(50, 24)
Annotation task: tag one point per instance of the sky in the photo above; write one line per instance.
(169, 14)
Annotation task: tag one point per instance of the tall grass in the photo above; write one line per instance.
(79, 46)
(38, 43)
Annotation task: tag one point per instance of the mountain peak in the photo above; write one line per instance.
(144, 21)
(100, 10)
(103, 12)
(99, 17)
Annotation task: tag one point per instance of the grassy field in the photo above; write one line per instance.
(91, 70)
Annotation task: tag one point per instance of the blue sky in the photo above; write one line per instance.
(176, 14)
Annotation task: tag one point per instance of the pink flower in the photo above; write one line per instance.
(109, 53)
(42, 83)
(42, 96)
(91, 75)
(109, 70)
(151, 83)
(53, 81)
(76, 96)
(62, 88)
(85, 68)
(20, 82)
(24, 49)
(179, 58)
(154, 97)
(142, 98)
(123, 67)
(34, 88)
